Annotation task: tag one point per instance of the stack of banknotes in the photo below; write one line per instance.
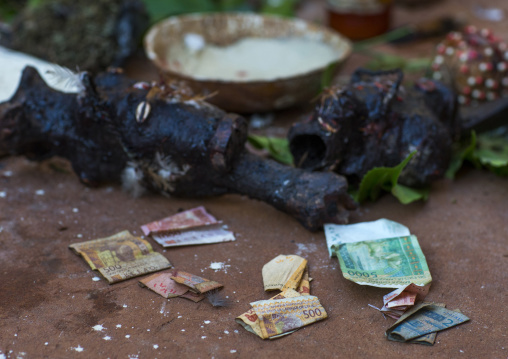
(289, 310)
(384, 253)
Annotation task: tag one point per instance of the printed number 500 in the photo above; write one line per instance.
(311, 313)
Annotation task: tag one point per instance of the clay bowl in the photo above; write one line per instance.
(173, 41)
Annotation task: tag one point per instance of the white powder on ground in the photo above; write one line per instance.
(252, 58)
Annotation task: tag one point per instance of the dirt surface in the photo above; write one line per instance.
(50, 300)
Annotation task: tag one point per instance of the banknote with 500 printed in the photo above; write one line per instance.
(387, 263)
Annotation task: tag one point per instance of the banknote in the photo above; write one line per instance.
(387, 262)
(250, 321)
(192, 218)
(194, 236)
(427, 339)
(121, 256)
(283, 272)
(424, 319)
(419, 293)
(366, 231)
(195, 297)
(304, 286)
(194, 282)
(277, 317)
(161, 283)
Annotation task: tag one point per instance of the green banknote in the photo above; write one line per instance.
(387, 262)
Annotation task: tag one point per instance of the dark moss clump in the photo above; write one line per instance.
(89, 34)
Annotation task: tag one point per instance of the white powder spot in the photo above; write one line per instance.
(148, 330)
(183, 330)
(107, 337)
(203, 337)
(16, 335)
(179, 316)
(39, 192)
(78, 348)
(155, 346)
(3, 194)
(236, 331)
(98, 327)
(163, 308)
(79, 235)
(232, 351)
(75, 210)
(206, 322)
(305, 248)
(96, 279)
(127, 336)
(7, 173)
(217, 266)
(124, 306)
(119, 325)
(46, 343)
(226, 332)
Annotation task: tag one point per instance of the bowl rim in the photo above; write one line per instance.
(153, 57)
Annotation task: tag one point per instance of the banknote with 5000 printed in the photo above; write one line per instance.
(388, 262)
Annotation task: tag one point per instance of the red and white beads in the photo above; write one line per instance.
(476, 62)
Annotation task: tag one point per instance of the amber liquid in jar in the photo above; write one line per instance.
(359, 19)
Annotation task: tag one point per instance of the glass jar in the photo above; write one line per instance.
(359, 19)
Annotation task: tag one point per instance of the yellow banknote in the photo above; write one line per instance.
(285, 315)
(284, 272)
(121, 256)
(250, 320)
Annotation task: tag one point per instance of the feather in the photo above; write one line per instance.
(217, 299)
(67, 78)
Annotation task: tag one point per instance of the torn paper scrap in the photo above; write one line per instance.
(284, 272)
(304, 286)
(387, 262)
(350, 233)
(121, 256)
(424, 319)
(191, 237)
(194, 282)
(192, 227)
(181, 284)
(161, 283)
(288, 314)
(400, 300)
(192, 218)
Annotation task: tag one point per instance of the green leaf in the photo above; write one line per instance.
(158, 9)
(278, 148)
(406, 195)
(381, 61)
(327, 76)
(460, 155)
(279, 7)
(381, 179)
(492, 151)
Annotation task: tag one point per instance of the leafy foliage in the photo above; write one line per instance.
(381, 179)
(278, 148)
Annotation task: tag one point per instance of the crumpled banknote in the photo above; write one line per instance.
(367, 257)
(121, 256)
